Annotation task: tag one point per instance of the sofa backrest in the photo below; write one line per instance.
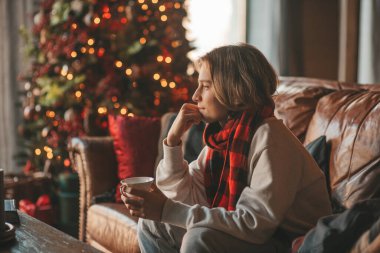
(349, 116)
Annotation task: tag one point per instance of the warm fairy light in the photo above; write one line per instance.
(74, 54)
(37, 151)
(74, 26)
(66, 162)
(131, 114)
(106, 8)
(144, 7)
(63, 72)
(142, 40)
(123, 111)
(164, 83)
(91, 50)
(82, 86)
(160, 58)
(55, 123)
(102, 110)
(78, 93)
(114, 99)
(156, 76)
(27, 86)
(172, 85)
(123, 20)
(141, 1)
(90, 42)
(128, 71)
(50, 114)
(49, 156)
(164, 18)
(116, 105)
(176, 44)
(152, 28)
(120, 8)
(168, 59)
(107, 15)
(118, 64)
(177, 5)
(83, 50)
(70, 76)
(156, 101)
(48, 149)
(97, 20)
(154, 1)
(162, 8)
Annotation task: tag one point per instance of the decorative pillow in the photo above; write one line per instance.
(135, 143)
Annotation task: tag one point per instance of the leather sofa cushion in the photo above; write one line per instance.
(350, 120)
(111, 226)
(296, 101)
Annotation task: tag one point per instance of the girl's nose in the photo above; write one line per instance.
(196, 96)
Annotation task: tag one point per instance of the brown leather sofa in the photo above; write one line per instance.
(348, 114)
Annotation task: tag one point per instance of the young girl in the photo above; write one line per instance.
(253, 187)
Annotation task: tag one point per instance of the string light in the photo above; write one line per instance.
(141, 1)
(70, 76)
(50, 114)
(118, 64)
(142, 40)
(156, 102)
(49, 156)
(164, 83)
(37, 151)
(73, 54)
(128, 71)
(102, 110)
(78, 94)
(176, 44)
(164, 18)
(177, 5)
(120, 8)
(91, 50)
(156, 76)
(90, 42)
(154, 1)
(123, 111)
(116, 105)
(160, 58)
(162, 8)
(144, 7)
(114, 99)
(48, 149)
(83, 50)
(97, 20)
(107, 15)
(168, 59)
(131, 114)
(172, 85)
(82, 86)
(74, 26)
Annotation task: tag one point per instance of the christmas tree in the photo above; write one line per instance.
(97, 57)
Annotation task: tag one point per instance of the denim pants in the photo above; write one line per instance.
(156, 237)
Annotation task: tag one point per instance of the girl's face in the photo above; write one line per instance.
(209, 107)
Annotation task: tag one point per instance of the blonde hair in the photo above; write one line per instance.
(242, 76)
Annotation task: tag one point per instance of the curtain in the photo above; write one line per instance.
(13, 14)
(369, 42)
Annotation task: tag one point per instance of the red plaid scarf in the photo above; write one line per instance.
(227, 158)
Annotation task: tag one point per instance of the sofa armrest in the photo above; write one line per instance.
(95, 161)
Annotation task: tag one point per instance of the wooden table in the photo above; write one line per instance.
(33, 235)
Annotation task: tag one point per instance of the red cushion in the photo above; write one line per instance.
(136, 145)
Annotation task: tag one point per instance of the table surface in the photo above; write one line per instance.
(33, 235)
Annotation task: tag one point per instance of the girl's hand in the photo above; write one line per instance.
(145, 204)
(187, 116)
